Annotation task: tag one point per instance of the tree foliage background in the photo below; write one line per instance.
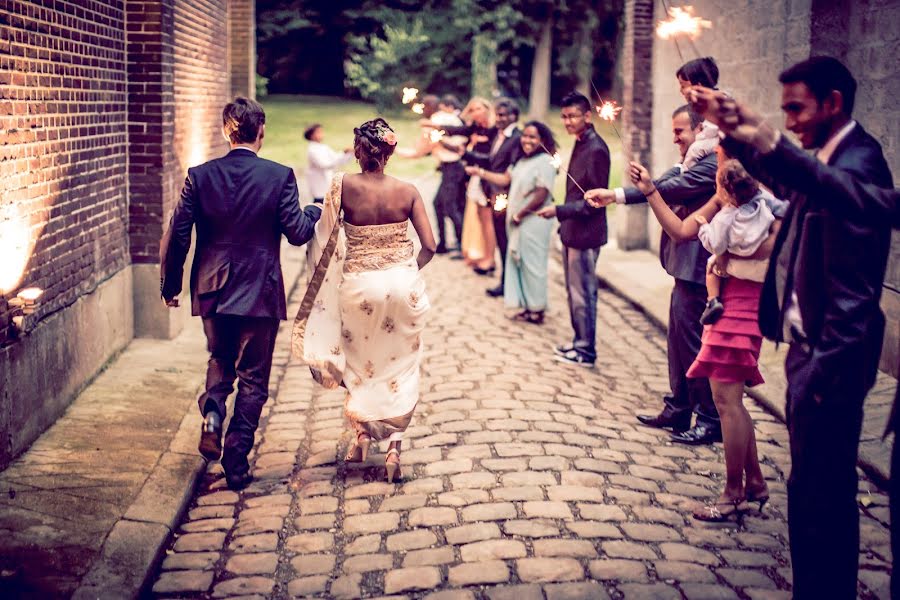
(371, 49)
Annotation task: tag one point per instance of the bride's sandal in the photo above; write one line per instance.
(720, 511)
(392, 466)
(359, 451)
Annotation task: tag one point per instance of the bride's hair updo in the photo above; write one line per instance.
(374, 144)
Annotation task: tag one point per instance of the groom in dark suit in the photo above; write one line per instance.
(241, 205)
(821, 295)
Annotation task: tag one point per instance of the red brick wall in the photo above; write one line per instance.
(62, 148)
(242, 52)
(177, 83)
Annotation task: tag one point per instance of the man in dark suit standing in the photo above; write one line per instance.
(821, 295)
(505, 151)
(685, 261)
(582, 228)
(241, 205)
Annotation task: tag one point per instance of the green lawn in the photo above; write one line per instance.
(288, 116)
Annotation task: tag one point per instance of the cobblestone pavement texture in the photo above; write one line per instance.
(524, 479)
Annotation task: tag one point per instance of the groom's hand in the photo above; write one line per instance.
(171, 302)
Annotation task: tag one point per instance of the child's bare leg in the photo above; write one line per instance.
(713, 284)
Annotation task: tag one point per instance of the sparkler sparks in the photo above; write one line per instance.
(436, 135)
(418, 108)
(409, 94)
(501, 202)
(608, 111)
(556, 161)
(682, 21)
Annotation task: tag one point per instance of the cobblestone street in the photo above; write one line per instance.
(524, 479)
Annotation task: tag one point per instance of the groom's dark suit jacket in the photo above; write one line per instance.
(241, 205)
(499, 162)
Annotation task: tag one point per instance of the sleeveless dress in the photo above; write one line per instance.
(729, 350)
(361, 320)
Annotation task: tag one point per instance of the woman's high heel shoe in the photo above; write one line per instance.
(720, 511)
(761, 498)
(392, 466)
(359, 451)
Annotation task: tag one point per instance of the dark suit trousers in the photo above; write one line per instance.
(823, 519)
(502, 240)
(686, 306)
(239, 348)
(450, 200)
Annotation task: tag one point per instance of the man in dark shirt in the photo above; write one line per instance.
(582, 228)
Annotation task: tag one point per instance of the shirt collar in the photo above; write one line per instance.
(509, 129)
(242, 147)
(825, 152)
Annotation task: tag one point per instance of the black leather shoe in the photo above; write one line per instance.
(211, 436)
(699, 434)
(238, 482)
(678, 423)
(441, 249)
(494, 292)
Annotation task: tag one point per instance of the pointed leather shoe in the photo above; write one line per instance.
(211, 436)
(677, 423)
(494, 292)
(699, 435)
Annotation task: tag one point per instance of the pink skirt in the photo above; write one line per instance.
(730, 347)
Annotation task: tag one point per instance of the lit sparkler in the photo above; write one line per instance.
(608, 111)
(501, 202)
(409, 94)
(418, 108)
(556, 161)
(682, 21)
(436, 135)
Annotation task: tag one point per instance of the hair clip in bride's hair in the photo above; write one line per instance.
(386, 135)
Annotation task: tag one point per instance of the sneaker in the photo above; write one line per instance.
(574, 357)
(712, 312)
(562, 349)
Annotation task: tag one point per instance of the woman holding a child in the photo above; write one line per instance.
(739, 220)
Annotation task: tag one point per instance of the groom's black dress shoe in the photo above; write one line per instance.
(699, 434)
(678, 423)
(238, 482)
(441, 249)
(211, 436)
(495, 292)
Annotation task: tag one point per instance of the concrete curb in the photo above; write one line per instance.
(134, 547)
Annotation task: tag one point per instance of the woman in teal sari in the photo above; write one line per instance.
(530, 181)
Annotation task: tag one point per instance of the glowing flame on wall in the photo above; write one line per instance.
(16, 246)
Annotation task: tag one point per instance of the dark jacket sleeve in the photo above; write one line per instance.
(480, 159)
(845, 192)
(697, 184)
(177, 242)
(451, 130)
(298, 226)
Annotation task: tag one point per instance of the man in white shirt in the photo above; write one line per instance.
(322, 162)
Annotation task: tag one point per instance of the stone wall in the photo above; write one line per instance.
(103, 106)
(752, 43)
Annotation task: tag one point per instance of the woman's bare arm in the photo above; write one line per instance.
(501, 179)
(422, 225)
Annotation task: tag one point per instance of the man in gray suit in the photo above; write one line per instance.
(241, 205)
(686, 262)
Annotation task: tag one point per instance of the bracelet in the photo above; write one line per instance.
(650, 193)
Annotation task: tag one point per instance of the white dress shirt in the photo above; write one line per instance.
(322, 163)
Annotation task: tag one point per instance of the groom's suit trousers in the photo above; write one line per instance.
(239, 348)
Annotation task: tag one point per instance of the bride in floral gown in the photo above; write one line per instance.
(360, 323)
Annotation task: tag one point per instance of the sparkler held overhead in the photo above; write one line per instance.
(409, 94)
(682, 21)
